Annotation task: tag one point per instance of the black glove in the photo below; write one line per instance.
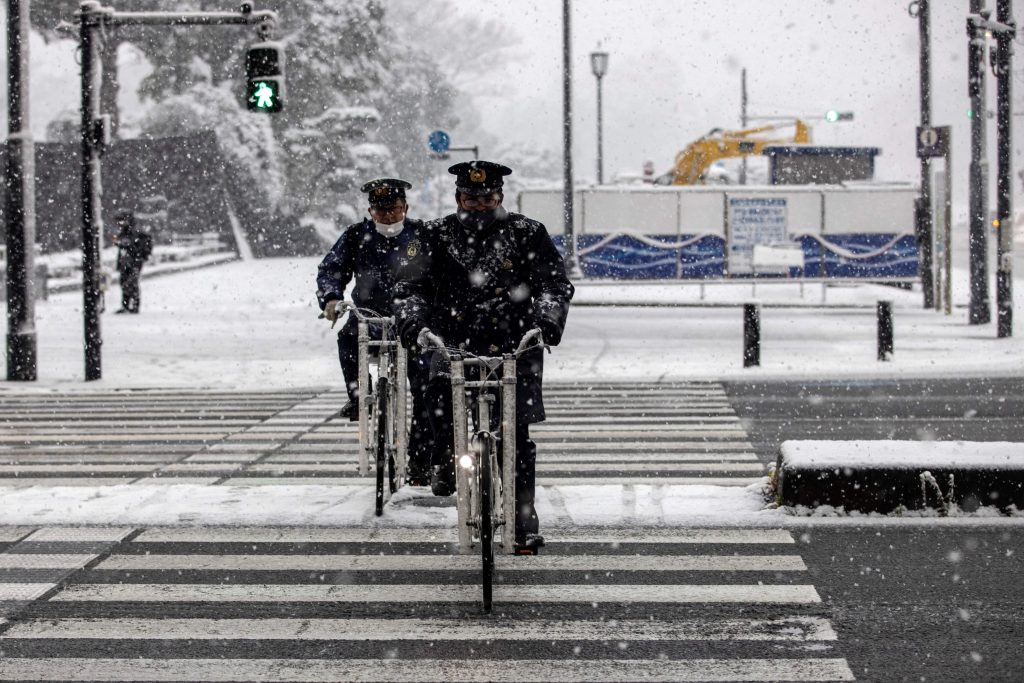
(551, 330)
(409, 333)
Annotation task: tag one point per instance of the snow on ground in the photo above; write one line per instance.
(985, 455)
(253, 324)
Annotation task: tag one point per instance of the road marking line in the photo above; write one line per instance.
(448, 535)
(405, 671)
(79, 534)
(592, 563)
(800, 629)
(427, 593)
(44, 561)
(630, 466)
(23, 591)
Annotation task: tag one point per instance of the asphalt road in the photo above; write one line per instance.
(908, 603)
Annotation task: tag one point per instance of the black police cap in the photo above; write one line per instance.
(384, 191)
(479, 177)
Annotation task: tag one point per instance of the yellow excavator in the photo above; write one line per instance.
(692, 163)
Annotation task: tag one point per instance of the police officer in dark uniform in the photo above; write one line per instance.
(372, 252)
(488, 277)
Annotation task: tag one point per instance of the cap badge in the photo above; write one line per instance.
(477, 175)
(380, 191)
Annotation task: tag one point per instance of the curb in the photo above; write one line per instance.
(910, 475)
(172, 270)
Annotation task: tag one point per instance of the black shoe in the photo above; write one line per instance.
(530, 545)
(121, 310)
(442, 481)
(417, 476)
(350, 411)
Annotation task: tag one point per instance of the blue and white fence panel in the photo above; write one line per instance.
(647, 232)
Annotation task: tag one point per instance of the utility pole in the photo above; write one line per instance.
(978, 312)
(925, 223)
(1004, 191)
(572, 267)
(94, 19)
(743, 120)
(21, 202)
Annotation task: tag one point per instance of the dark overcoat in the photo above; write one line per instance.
(482, 289)
(372, 259)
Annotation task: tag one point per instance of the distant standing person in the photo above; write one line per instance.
(133, 248)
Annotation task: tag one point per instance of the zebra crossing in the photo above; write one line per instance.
(291, 604)
(638, 433)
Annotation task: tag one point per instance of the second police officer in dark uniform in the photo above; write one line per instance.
(488, 277)
(372, 251)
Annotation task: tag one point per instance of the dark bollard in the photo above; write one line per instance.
(885, 346)
(751, 335)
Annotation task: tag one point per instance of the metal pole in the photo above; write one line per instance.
(571, 265)
(979, 305)
(885, 342)
(92, 221)
(1004, 192)
(925, 224)
(947, 255)
(751, 335)
(600, 138)
(20, 210)
(743, 121)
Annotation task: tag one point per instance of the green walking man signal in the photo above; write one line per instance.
(264, 71)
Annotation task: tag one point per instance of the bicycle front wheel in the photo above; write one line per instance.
(486, 446)
(382, 441)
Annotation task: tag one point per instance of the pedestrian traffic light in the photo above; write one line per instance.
(264, 71)
(833, 116)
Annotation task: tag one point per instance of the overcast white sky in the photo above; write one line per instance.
(675, 73)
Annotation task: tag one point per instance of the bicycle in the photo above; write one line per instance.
(485, 482)
(383, 427)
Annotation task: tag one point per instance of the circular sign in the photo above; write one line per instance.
(439, 141)
(929, 137)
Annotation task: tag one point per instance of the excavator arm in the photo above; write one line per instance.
(692, 163)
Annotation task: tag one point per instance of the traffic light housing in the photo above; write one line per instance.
(832, 116)
(264, 72)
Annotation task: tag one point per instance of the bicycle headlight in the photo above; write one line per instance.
(466, 461)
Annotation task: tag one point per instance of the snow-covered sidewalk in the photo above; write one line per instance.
(253, 324)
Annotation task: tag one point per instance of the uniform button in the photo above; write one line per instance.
(492, 348)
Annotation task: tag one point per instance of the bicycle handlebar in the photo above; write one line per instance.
(435, 342)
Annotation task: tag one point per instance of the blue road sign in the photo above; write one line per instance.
(439, 141)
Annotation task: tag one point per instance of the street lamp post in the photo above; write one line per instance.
(599, 66)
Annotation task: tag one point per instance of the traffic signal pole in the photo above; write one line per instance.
(924, 225)
(978, 311)
(94, 18)
(1004, 192)
(20, 213)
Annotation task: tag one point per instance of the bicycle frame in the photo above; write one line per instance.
(391, 357)
(467, 506)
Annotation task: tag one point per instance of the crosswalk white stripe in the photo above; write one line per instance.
(43, 561)
(596, 563)
(799, 629)
(420, 593)
(80, 534)
(646, 433)
(692, 445)
(350, 457)
(23, 591)
(407, 671)
(627, 466)
(447, 535)
(83, 467)
(13, 533)
(611, 480)
(122, 437)
(23, 482)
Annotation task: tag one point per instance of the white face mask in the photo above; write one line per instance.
(390, 229)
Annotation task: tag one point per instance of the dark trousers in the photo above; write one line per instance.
(130, 292)
(421, 442)
(439, 397)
